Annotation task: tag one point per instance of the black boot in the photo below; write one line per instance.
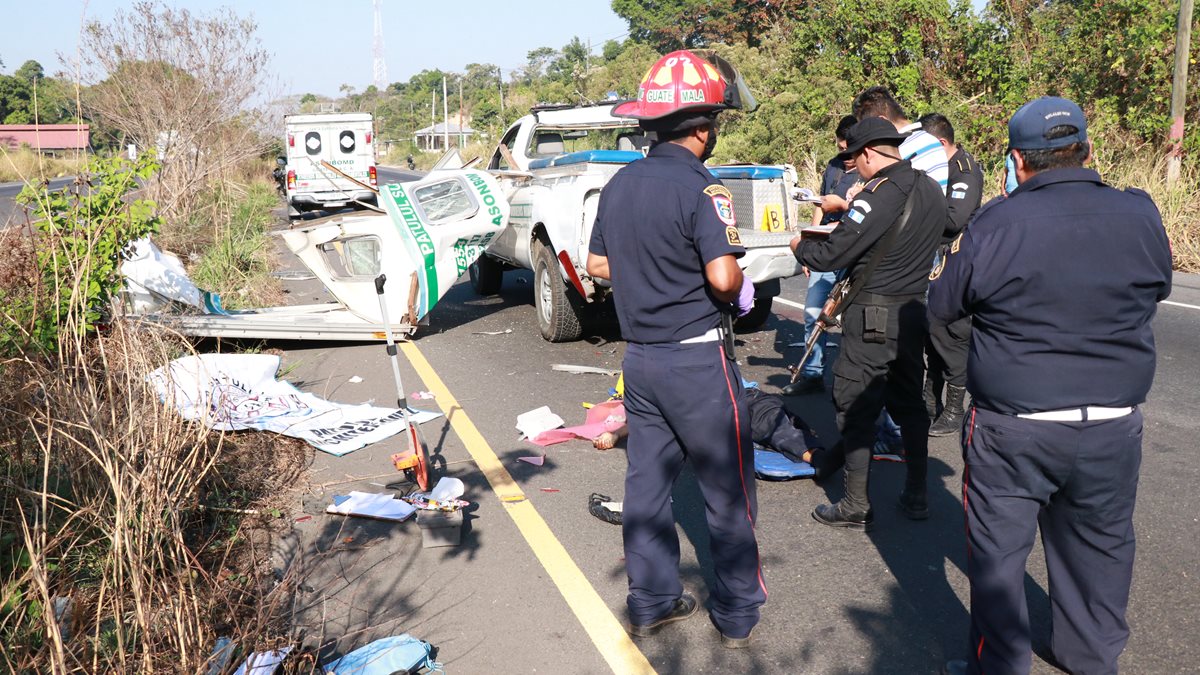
(950, 421)
(840, 515)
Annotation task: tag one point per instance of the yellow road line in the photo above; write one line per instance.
(601, 625)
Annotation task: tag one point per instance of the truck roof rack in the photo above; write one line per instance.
(539, 107)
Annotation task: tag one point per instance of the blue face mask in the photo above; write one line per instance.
(1011, 168)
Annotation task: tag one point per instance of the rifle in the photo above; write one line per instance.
(844, 291)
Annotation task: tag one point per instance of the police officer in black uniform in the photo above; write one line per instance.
(1061, 278)
(946, 348)
(883, 330)
(666, 236)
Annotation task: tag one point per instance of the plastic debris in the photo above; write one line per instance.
(398, 653)
(221, 657)
(492, 332)
(550, 490)
(580, 370)
(354, 380)
(263, 663)
(537, 460)
(448, 488)
(422, 396)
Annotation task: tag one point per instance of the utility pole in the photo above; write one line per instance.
(1183, 40)
(500, 86)
(445, 119)
(460, 113)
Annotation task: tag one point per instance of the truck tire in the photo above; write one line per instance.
(559, 313)
(487, 274)
(756, 317)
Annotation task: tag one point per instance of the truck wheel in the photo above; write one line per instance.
(757, 316)
(558, 311)
(486, 275)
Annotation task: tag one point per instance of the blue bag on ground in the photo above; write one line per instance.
(769, 465)
(385, 656)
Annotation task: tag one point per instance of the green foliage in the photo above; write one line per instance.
(236, 264)
(81, 237)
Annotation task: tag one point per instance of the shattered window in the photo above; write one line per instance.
(355, 257)
(445, 200)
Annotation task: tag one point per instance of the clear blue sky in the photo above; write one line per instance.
(318, 45)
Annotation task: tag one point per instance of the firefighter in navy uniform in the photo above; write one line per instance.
(884, 327)
(947, 345)
(666, 237)
(1062, 279)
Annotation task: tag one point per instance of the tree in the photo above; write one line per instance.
(183, 85)
(308, 98)
(30, 72)
(536, 62)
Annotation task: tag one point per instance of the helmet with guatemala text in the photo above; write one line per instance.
(684, 90)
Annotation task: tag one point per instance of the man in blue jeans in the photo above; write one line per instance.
(839, 177)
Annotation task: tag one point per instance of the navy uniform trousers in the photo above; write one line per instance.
(881, 363)
(949, 344)
(684, 401)
(1078, 482)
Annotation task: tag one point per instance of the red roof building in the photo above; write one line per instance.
(48, 138)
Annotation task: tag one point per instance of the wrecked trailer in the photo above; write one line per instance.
(431, 232)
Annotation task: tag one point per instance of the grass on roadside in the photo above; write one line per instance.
(28, 166)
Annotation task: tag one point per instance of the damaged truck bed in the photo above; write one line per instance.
(434, 228)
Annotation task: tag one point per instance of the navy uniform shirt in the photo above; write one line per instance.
(1062, 280)
(964, 192)
(904, 269)
(660, 221)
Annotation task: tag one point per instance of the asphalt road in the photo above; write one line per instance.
(894, 601)
(10, 212)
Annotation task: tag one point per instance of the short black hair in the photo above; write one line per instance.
(936, 125)
(1067, 157)
(877, 101)
(676, 134)
(844, 125)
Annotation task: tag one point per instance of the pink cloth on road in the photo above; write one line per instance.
(602, 417)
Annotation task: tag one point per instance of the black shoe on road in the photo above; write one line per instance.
(804, 385)
(684, 607)
(913, 505)
(834, 515)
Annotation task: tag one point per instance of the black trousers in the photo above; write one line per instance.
(771, 425)
(881, 363)
(685, 402)
(1077, 481)
(947, 349)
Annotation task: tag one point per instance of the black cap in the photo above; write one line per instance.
(870, 131)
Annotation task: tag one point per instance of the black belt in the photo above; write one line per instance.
(864, 298)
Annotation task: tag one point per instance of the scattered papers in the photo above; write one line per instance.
(263, 663)
(230, 392)
(537, 460)
(538, 420)
(382, 506)
(578, 370)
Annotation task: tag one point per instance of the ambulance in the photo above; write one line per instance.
(330, 161)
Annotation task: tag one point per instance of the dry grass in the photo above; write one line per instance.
(28, 166)
(104, 492)
(1179, 204)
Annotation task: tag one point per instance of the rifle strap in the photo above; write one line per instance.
(884, 246)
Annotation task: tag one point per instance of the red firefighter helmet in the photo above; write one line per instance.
(683, 82)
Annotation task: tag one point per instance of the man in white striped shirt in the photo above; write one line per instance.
(921, 148)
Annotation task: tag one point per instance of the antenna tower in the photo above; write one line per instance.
(378, 62)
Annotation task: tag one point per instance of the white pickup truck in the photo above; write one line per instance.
(554, 162)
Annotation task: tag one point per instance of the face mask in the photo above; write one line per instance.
(1010, 167)
(711, 144)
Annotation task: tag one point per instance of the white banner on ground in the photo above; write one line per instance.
(230, 392)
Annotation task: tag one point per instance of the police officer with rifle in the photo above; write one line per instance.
(886, 240)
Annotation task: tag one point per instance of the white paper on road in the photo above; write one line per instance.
(538, 420)
(383, 506)
(231, 392)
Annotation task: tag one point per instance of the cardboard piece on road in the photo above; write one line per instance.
(440, 528)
